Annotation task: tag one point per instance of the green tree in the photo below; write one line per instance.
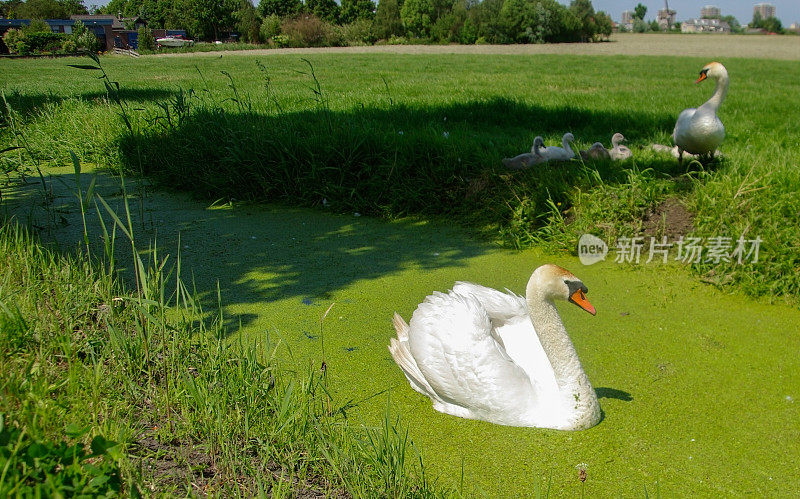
(280, 8)
(353, 10)
(418, 17)
(736, 27)
(387, 19)
(146, 39)
(248, 23)
(639, 12)
(584, 11)
(537, 21)
(604, 26)
(770, 24)
(208, 19)
(327, 10)
(42, 9)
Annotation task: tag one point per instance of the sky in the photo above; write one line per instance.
(788, 11)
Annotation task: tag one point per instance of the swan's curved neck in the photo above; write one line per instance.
(719, 93)
(567, 148)
(572, 381)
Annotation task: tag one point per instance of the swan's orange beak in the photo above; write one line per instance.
(703, 76)
(579, 299)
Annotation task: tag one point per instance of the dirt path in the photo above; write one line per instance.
(706, 46)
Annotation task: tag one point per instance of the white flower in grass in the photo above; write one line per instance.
(446, 135)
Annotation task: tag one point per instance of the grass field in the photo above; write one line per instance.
(696, 383)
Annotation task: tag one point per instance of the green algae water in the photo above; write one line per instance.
(698, 387)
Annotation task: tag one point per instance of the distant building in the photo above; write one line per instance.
(710, 12)
(705, 26)
(765, 10)
(666, 17)
(627, 20)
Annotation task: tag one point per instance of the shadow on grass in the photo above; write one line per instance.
(395, 161)
(29, 103)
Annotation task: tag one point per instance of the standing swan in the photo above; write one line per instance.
(482, 354)
(699, 131)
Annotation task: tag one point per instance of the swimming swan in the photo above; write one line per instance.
(483, 354)
(700, 131)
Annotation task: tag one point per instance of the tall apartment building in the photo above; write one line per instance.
(766, 10)
(710, 12)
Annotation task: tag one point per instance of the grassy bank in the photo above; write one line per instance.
(108, 391)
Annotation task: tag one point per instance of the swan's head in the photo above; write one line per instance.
(617, 138)
(538, 142)
(713, 70)
(557, 283)
(568, 137)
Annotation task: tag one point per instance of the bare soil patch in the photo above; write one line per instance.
(699, 45)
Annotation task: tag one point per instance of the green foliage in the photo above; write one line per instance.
(280, 8)
(388, 22)
(770, 24)
(46, 9)
(538, 21)
(309, 31)
(85, 39)
(640, 26)
(736, 27)
(639, 11)
(418, 17)
(41, 468)
(146, 39)
(37, 26)
(15, 40)
(43, 42)
(326, 10)
(359, 32)
(355, 10)
(270, 27)
(248, 23)
(209, 19)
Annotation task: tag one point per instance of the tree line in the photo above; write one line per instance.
(324, 22)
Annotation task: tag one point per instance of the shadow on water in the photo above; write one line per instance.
(439, 161)
(613, 393)
(255, 253)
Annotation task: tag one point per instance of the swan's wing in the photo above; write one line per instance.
(500, 306)
(523, 346)
(683, 121)
(450, 338)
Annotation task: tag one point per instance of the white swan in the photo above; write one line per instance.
(526, 159)
(700, 131)
(619, 152)
(565, 153)
(482, 354)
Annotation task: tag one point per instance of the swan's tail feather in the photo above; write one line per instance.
(398, 347)
(400, 326)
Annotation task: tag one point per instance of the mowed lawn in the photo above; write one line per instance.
(698, 385)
